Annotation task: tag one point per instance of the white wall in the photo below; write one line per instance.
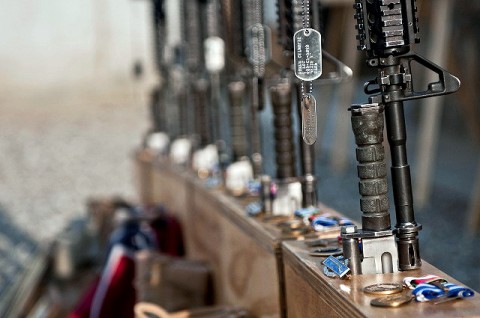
(71, 112)
(78, 45)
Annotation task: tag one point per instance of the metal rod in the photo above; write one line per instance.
(307, 164)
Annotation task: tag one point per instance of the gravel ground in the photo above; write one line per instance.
(57, 153)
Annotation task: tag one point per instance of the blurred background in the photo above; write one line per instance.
(74, 83)
(71, 106)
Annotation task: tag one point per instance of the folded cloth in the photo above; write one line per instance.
(82, 309)
(115, 295)
(168, 235)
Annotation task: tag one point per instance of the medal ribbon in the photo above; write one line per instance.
(458, 291)
(426, 292)
(432, 287)
(412, 282)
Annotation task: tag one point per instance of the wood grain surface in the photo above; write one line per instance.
(170, 187)
(242, 252)
(143, 160)
(309, 293)
(256, 267)
(245, 272)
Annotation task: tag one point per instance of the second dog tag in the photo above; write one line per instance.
(309, 119)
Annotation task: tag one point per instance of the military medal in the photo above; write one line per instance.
(383, 289)
(392, 301)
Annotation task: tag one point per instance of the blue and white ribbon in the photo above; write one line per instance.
(306, 212)
(458, 291)
(427, 292)
(321, 223)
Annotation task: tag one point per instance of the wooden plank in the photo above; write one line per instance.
(245, 273)
(302, 300)
(233, 209)
(143, 175)
(240, 250)
(216, 225)
(256, 268)
(345, 298)
(170, 188)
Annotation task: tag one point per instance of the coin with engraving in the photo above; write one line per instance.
(383, 289)
(392, 301)
(307, 58)
(327, 251)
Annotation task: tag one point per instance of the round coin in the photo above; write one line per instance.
(383, 289)
(326, 251)
(391, 301)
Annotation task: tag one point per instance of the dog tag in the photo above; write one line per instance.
(308, 54)
(309, 119)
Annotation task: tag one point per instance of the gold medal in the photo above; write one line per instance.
(392, 301)
(383, 289)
